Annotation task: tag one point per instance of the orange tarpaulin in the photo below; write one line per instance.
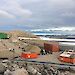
(29, 55)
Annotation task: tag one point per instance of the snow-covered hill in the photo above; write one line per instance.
(55, 31)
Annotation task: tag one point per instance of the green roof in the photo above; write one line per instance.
(3, 36)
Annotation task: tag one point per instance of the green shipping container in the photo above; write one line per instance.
(3, 36)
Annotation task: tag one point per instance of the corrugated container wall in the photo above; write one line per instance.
(54, 47)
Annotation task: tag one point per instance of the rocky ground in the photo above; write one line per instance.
(23, 68)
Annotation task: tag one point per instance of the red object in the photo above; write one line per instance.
(54, 47)
(67, 56)
(29, 55)
(67, 59)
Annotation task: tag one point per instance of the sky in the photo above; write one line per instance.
(36, 14)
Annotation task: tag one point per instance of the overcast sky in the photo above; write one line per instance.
(27, 14)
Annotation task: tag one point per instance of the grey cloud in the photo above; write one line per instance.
(4, 14)
(13, 7)
(41, 13)
(12, 13)
(68, 14)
